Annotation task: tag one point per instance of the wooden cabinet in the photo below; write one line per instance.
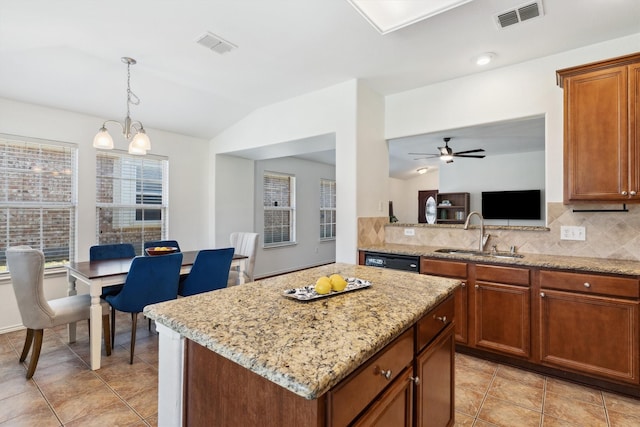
(453, 208)
(501, 309)
(601, 131)
(455, 270)
(589, 324)
(411, 379)
(435, 367)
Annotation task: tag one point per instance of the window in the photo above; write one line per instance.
(38, 197)
(131, 199)
(327, 209)
(279, 208)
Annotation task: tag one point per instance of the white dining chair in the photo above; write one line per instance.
(26, 269)
(244, 243)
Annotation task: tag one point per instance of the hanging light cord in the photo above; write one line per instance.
(132, 98)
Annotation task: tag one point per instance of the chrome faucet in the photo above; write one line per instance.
(483, 237)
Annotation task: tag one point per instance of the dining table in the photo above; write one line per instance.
(101, 273)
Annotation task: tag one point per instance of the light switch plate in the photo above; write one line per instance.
(409, 232)
(572, 232)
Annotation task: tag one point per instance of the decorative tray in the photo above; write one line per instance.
(308, 293)
(161, 250)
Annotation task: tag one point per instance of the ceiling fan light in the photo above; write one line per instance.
(447, 158)
(103, 140)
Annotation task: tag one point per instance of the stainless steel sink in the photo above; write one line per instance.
(478, 253)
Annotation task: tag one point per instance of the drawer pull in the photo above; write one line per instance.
(587, 284)
(415, 380)
(477, 286)
(624, 193)
(387, 374)
(633, 193)
(542, 294)
(463, 284)
(443, 319)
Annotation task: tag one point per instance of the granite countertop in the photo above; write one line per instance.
(555, 262)
(306, 347)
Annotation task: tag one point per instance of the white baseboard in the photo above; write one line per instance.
(13, 328)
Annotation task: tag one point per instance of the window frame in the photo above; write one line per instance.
(127, 180)
(65, 166)
(324, 209)
(291, 209)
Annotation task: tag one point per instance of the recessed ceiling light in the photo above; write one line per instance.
(422, 170)
(390, 15)
(485, 58)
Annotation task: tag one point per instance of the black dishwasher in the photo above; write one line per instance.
(393, 261)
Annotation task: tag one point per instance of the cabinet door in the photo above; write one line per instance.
(435, 400)
(596, 151)
(394, 407)
(502, 318)
(455, 270)
(590, 334)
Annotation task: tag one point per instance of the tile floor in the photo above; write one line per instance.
(64, 391)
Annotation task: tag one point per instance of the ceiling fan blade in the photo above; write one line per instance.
(478, 150)
(428, 156)
(474, 156)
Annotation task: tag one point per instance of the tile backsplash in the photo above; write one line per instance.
(614, 235)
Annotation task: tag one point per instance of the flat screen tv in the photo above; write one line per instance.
(520, 204)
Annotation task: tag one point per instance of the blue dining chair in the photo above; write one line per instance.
(150, 280)
(157, 243)
(210, 271)
(111, 251)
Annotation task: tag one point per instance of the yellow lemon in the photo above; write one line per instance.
(337, 282)
(323, 285)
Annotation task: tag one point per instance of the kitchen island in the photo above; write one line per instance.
(249, 349)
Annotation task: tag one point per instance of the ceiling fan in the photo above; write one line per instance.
(447, 154)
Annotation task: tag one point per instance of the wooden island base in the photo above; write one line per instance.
(384, 391)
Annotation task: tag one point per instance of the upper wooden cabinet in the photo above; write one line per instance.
(601, 131)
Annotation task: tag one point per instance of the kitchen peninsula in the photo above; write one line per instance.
(247, 355)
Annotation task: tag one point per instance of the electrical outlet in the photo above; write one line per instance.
(409, 232)
(571, 232)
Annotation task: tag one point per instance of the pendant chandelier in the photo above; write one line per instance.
(140, 143)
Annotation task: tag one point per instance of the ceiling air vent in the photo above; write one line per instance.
(519, 14)
(215, 43)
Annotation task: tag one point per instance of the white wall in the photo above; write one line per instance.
(523, 171)
(522, 90)
(334, 110)
(188, 191)
(309, 250)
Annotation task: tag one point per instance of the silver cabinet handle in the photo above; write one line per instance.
(387, 374)
(477, 286)
(443, 319)
(624, 193)
(587, 284)
(463, 284)
(633, 193)
(542, 294)
(416, 380)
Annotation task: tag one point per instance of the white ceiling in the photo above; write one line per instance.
(66, 53)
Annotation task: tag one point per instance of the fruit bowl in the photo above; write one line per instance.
(161, 250)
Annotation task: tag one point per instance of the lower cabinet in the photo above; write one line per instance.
(589, 324)
(502, 310)
(435, 367)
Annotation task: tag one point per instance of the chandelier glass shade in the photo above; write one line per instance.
(132, 130)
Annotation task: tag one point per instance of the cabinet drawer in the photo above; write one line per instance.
(435, 321)
(590, 283)
(444, 268)
(359, 389)
(499, 274)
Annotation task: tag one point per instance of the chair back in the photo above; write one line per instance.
(112, 251)
(26, 268)
(210, 271)
(151, 279)
(246, 244)
(159, 243)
